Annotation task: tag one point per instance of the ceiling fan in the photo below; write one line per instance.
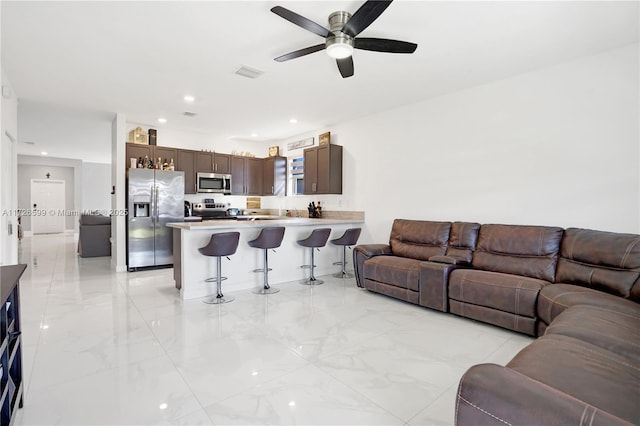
(341, 37)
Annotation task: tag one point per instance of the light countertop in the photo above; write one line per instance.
(259, 222)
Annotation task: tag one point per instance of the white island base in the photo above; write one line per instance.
(191, 268)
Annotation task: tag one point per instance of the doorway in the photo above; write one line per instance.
(48, 205)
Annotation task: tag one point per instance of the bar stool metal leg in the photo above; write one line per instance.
(312, 280)
(343, 274)
(219, 298)
(266, 288)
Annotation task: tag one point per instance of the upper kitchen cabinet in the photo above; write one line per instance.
(186, 162)
(204, 162)
(274, 177)
(165, 153)
(221, 163)
(209, 162)
(136, 150)
(323, 169)
(246, 175)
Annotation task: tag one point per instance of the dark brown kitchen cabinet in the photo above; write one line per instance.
(164, 153)
(274, 175)
(204, 162)
(209, 162)
(186, 162)
(136, 150)
(323, 170)
(221, 163)
(246, 175)
(11, 386)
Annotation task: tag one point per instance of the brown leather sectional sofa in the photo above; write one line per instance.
(578, 289)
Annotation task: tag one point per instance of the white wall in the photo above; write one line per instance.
(60, 168)
(8, 174)
(556, 146)
(64, 171)
(96, 186)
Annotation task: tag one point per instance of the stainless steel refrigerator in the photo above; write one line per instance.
(154, 198)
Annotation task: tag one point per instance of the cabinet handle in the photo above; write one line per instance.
(272, 190)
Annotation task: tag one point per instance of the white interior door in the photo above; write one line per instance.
(47, 204)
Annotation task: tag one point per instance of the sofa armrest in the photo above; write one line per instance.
(363, 252)
(490, 394)
(450, 260)
(434, 284)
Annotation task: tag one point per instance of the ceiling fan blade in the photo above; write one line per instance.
(384, 45)
(301, 21)
(298, 53)
(364, 16)
(345, 66)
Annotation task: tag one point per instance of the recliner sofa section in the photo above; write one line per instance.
(578, 289)
(510, 266)
(402, 269)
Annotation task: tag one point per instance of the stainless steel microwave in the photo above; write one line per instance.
(213, 183)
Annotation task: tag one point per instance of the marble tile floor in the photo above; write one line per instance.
(106, 348)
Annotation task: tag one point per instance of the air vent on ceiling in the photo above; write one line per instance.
(189, 113)
(248, 72)
(28, 143)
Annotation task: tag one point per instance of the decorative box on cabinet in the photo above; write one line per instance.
(323, 170)
(11, 387)
(274, 180)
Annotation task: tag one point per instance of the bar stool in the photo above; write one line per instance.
(269, 238)
(348, 239)
(221, 244)
(317, 239)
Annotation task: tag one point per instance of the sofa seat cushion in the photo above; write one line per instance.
(598, 377)
(555, 298)
(612, 330)
(505, 292)
(397, 271)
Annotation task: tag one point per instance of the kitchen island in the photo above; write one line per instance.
(192, 268)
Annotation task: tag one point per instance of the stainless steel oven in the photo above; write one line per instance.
(214, 183)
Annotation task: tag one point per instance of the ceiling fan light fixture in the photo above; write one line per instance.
(339, 47)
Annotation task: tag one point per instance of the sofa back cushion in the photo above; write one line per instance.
(530, 251)
(605, 261)
(463, 240)
(419, 239)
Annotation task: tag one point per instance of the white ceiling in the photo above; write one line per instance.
(87, 60)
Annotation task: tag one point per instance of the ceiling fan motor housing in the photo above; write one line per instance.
(339, 41)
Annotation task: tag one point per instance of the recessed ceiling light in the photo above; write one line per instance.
(189, 98)
(43, 153)
(293, 121)
(162, 120)
(254, 135)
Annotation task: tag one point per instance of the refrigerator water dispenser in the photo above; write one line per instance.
(141, 210)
